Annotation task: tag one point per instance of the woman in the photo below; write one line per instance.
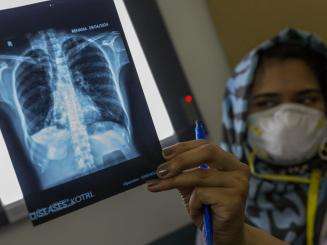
(275, 121)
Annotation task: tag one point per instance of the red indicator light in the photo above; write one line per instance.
(188, 99)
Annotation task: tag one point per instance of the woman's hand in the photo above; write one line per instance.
(224, 186)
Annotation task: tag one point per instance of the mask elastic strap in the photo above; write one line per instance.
(312, 197)
(273, 177)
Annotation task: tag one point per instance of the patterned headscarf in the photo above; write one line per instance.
(235, 104)
(277, 207)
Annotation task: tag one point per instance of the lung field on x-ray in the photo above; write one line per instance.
(71, 104)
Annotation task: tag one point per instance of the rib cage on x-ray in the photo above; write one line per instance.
(34, 90)
(71, 104)
(92, 76)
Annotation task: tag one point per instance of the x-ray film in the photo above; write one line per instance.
(72, 109)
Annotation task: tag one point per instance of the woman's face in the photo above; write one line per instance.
(287, 81)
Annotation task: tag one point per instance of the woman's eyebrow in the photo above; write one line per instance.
(265, 96)
(305, 92)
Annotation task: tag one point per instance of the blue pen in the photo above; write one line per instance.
(200, 134)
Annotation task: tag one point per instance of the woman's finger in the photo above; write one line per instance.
(185, 194)
(211, 154)
(201, 178)
(182, 147)
(225, 199)
(209, 196)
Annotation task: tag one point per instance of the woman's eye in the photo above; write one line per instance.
(265, 104)
(310, 100)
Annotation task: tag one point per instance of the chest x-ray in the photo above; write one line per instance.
(65, 90)
(72, 105)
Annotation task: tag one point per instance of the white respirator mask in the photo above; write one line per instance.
(287, 134)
